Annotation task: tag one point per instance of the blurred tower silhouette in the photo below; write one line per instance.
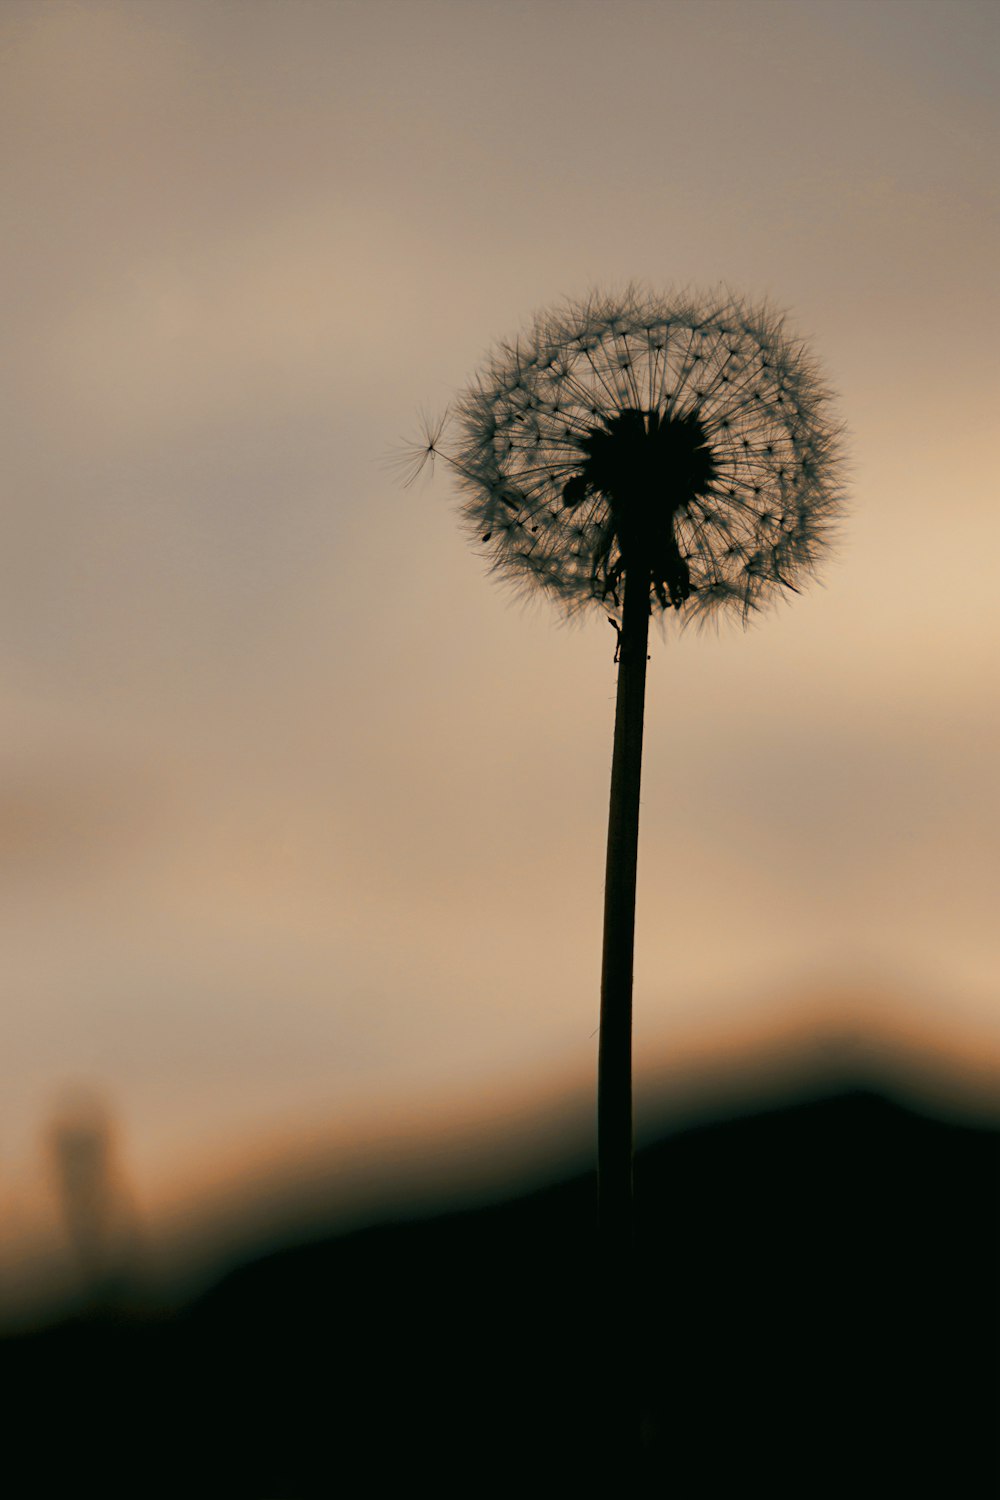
(97, 1209)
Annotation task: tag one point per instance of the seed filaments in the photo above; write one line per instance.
(690, 444)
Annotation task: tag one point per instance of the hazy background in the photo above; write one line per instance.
(302, 821)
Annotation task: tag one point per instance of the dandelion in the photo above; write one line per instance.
(643, 456)
(692, 442)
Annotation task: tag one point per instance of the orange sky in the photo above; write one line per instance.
(299, 817)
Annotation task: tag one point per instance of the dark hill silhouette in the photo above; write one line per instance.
(818, 1314)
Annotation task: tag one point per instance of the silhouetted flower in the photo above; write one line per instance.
(692, 439)
(640, 455)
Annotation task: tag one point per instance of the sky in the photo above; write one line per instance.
(302, 821)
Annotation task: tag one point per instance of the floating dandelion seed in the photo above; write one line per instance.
(641, 455)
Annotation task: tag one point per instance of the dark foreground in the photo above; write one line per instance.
(819, 1293)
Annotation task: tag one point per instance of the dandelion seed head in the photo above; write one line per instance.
(689, 442)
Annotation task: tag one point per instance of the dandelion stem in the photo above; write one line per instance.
(614, 1086)
(614, 1075)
